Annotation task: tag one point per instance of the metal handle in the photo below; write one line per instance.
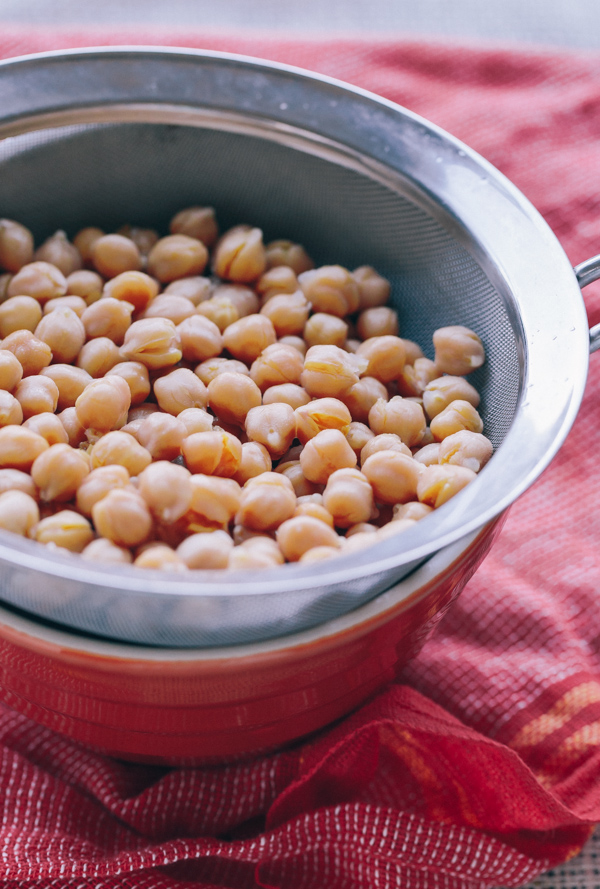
(587, 272)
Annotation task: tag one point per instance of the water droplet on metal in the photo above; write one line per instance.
(283, 106)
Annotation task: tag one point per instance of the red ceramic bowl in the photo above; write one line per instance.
(182, 706)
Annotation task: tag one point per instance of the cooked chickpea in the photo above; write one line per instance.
(108, 317)
(414, 511)
(458, 350)
(16, 480)
(255, 553)
(16, 245)
(231, 396)
(169, 305)
(98, 356)
(457, 416)
(265, 502)
(11, 412)
(208, 551)
(465, 448)
(162, 435)
(428, 454)
(348, 496)
(123, 517)
(319, 414)
(318, 554)
(357, 436)
(212, 367)
(63, 331)
(196, 222)
(280, 279)
(143, 238)
(243, 299)
(255, 460)
(292, 470)
(220, 310)
(136, 288)
(59, 471)
(180, 389)
(296, 341)
(196, 419)
(360, 398)
(287, 253)
(41, 280)
(302, 533)
(31, 352)
(120, 448)
(322, 329)
(437, 484)
(415, 378)
(86, 284)
(75, 303)
(394, 528)
(200, 338)
(152, 341)
(19, 313)
(330, 289)
(75, 431)
(438, 394)
(240, 255)
(65, 529)
(98, 483)
(288, 393)
(393, 476)
(103, 404)
(195, 288)
(107, 552)
(288, 313)
(167, 490)
(373, 289)
(84, 241)
(245, 339)
(214, 500)
(330, 371)
(19, 512)
(325, 453)
(212, 453)
(316, 510)
(58, 250)
(360, 528)
(386, 357)
(388, 441)
(5, 280)
(276, 365)
(380, 321)
(402, 417)
(272, 425)
(11, 370)
(413, 351)
(136, 376)
(112, 255)
(37, 395)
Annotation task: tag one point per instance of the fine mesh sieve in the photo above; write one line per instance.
(112, 136)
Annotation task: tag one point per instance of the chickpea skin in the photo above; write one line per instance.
(330, 371)
(215, 500)
(457, 416)
(212, 453)
(65, 529)
(59, 471)
(240, 255)
(16, 245)
(19, 512)
(437, 484)
(442, 391)
(325, 453)
(322, 413)
(123, 517)
(415, 378)
(152, 341)
(465, 448)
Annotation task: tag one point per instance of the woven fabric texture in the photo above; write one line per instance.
(481, 766)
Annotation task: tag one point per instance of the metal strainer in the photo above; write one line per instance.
(103, 137)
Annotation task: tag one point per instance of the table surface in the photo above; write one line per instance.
(545, 23)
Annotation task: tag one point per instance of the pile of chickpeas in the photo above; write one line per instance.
(205, 401)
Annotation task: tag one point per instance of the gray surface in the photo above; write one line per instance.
(546, 22)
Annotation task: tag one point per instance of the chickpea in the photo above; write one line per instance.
(255, 460)
(207, 551)
(352, 345)
(413, 351)
(112, 255)
(162, 435)
(288, 393)
(298, 535)
(357, 436)
(19, 512)
(441, 392)
(373, 289)
(11, 413)
(120, 448)
(214, 500)
(415, 378)
(465, 448)
(37, 395)
(280, 279)
(19, 313)
(84, 241)
(49, 426)
(386, 357)
(245, 339)
(361, 397)
(255, 553)
(136, 376)
(59, 471)
(75, 303)
(169, 305)
(272, 425)
(41, 280)
(16, 480)
(325, 453)
(322, 329)
(240, 255)
(292, 470)
(143, 238)
(318, 554)
(123, 517)
(212, 367)
(220, 310)
(232, 395)
(195, 288)
(457, 416)
(288, 313)
(75, 431)
(330, 289)
(399, 415)
(11, 370)
(241, 534)
(212, 453)
(98, 483)
(180, 389)
(167, 490)
(414, 511)
(437, 484)
(196, 222)
(322, 413)
(243, 299)
(103, 404)
(98, 357)
(394, 528)
(65, 529)
(360, 528)
(86, 284)
(107, 552)
(316, 510)
(135, 288)
(16, 245)
(348, 496)
(380, 321)
(393, 476)
(458, 350)
(31, 352)
(329, 371)
(296, 341)
(196, 419)
(429, 454)
(287, 253)
(108, 317)
(388, 441)
(58, 250)
(5, 280)
(63, 332)
(277, 364)
(152, 341)
(265, 502)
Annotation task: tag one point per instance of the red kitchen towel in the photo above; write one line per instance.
(482, 767)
